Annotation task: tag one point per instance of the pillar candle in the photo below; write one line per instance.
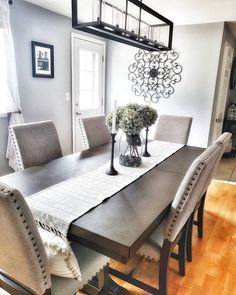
(113, 128)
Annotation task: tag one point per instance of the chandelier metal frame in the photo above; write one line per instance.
(116, 33)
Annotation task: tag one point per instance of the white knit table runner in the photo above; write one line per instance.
(56, 207)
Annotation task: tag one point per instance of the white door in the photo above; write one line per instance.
(88, 73)
(222, 92)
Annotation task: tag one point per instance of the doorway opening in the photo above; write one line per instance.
(222, 92)
(88, 82)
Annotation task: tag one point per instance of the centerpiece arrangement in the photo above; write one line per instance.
(131, 119)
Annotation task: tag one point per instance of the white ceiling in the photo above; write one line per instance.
(179, 11)
(60, 6)
(196, 11)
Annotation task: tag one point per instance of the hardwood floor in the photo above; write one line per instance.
(227, 169)
(213, 269)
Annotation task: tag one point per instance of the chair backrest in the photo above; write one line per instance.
(223, 138)
(189, 193)
(35, 143)
(96, 131)
(22, 255)
(173, 128)
(222, 141)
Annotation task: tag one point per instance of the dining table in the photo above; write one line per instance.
(122, 223)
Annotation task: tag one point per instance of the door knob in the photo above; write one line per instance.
(78, 114)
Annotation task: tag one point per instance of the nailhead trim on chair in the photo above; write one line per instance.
(83, 133)
(28, 230)
(188, 189)
(209, 155)
(96, 273)
(183, 200)
(224, 138)
(16, 149)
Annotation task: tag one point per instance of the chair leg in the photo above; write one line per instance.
(101, 279)
(48, 292)
(164, 259)
(106, 280)
(189, 238)
(182, 250)
(181, 255)
(182, 246)
(200, 217)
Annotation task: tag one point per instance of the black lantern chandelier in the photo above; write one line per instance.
(126, 21)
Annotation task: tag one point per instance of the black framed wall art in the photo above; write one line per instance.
(42, 60)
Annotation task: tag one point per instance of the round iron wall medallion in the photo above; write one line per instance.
(154, 74)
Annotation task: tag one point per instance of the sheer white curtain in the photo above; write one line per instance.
(9, 93)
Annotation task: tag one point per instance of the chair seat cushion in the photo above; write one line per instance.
(64, 286)
(152, 247)
(91, 263)
(61, 259)
(71, 261)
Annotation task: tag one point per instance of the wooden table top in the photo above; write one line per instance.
(121, 224)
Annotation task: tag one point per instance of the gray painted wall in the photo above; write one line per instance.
(199, 48)
(41, 98)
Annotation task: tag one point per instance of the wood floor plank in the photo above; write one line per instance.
(225, 169)
(233, 176)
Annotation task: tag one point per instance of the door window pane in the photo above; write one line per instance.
(86, 98)
(88, 80)
(86, 60)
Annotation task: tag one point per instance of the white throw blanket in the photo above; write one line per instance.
(56, 207)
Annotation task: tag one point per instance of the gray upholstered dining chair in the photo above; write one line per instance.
(173, 229)
(23, 261)
(221, 144)
(173, 128)
(95, 131)
(35, 143)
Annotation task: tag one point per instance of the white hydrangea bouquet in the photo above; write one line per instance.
(131, 119)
